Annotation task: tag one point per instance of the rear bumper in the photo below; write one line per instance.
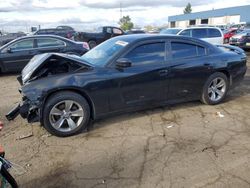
(238, 77)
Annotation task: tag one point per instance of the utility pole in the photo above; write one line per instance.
(120, 10)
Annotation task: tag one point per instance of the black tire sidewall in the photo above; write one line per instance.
(205, 97)
(58, 97)
(93, 42)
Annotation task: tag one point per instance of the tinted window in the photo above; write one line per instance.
(183, 50)
(22, 45)
(147, 53)
(214, 33)
(49, 42)
(199, 33)
(186, 32)
(109, 30)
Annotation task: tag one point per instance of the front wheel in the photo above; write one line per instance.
(215, 89)
(66, 113)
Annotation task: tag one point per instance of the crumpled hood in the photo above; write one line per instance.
(38, 60)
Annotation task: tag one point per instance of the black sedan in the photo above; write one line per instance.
(17, 53)
(125, 73)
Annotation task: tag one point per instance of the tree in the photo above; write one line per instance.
(188, 9)
(125, 23)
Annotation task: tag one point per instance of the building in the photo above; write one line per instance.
(225, 16)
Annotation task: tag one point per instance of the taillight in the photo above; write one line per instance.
(85, 45)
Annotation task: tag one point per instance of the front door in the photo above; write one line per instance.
(146, 81)
(17, 55)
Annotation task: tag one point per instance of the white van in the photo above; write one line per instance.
(210, 34)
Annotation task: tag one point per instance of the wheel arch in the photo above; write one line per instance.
(75, 90)
(227, 73)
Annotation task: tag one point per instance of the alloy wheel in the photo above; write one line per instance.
(66, 116)
(216, 89)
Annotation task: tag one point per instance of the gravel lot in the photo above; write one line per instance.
(185, 145)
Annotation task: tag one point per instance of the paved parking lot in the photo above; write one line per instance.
(185, 145)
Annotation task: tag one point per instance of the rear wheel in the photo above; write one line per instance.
(92, 44)
(66, 113)
(215, 89)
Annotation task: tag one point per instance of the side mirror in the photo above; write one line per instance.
(123, 63)
(9, 50)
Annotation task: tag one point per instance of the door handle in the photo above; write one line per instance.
(163, 72)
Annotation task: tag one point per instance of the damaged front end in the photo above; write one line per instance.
(27, 109)
(35, 89)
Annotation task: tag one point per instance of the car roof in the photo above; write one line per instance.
(44, 36)
(35, 37)
(141, 37)
(204, 27)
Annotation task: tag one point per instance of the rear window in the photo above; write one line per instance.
(199, 33)
(214, 33)
(186, 33)
(185, 50)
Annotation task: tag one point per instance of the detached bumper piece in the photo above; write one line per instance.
(26, 111)
(13, 113)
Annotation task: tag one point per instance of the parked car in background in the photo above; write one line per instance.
(63, 31)
(171, 31)
(242, 39)
(125, 73)
(212, 35)
(15, 55)
(99, 36)
(5, 38)
(135, 31)
(229, 33)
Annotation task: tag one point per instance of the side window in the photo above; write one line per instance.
(22, 45)
(199, 33)
(185, 50)
(147, 54)
(117, 31)
(109, 30)
(186, 32)
(214, 33)
(48, 42)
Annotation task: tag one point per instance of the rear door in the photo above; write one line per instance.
(146, 81)
(215, 36)
(190, 67)
(45, 45)
(18, 54)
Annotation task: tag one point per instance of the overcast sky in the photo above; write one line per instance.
(87, 14)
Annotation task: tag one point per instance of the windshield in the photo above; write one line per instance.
(170, 31)
(101, 54)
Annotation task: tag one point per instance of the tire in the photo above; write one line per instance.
(226, 41)
(92, 44)
(65, 114)
(215, 89)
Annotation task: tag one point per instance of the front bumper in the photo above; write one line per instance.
(26, 110)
